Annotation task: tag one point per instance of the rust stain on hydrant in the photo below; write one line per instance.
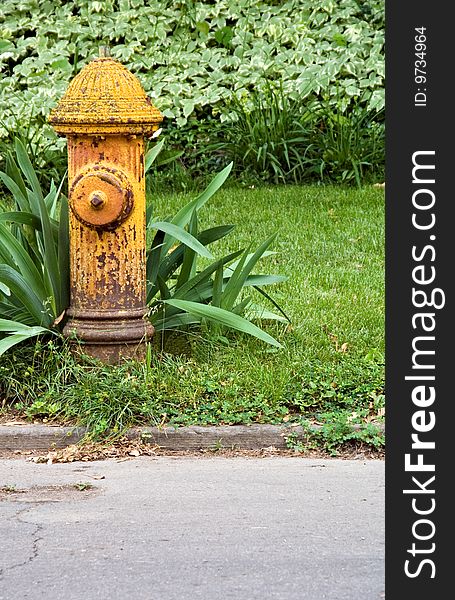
(105, 115)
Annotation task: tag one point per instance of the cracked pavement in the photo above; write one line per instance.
(171, 528)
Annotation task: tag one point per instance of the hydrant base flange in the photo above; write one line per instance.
(114, 354)
(110, 337)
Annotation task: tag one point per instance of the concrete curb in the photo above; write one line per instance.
(240, 437)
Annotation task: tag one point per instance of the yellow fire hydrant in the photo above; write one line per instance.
(105, 115)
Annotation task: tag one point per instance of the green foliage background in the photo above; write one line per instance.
(192, 57)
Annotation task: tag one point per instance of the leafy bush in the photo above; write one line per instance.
(281, 140)
(34, 256)
(194, 58)
(267, 141)
(346, 145)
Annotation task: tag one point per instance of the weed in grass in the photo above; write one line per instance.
(337, 430)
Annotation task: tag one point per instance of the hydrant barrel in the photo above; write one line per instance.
(105, 115)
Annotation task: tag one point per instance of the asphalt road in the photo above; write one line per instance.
(192, 528)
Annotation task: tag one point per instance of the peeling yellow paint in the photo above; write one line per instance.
(105, 98)
(105, 115)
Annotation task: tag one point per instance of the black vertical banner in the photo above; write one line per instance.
(420, 328)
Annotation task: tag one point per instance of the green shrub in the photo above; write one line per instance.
(34, 264)
(266, 141)
(346, 145)
(193, 58)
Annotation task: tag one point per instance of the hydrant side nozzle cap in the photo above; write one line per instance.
(105, 97)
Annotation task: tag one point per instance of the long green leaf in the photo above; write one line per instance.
(257, 280)
(16, 338)
(231, 290)
(237, 282)
(152, 154)
(27, 168)
(11, 340)
(176, 321)
(64, 256)
(189, 263)
(217, 290)
(230, 269)
(23, 261)
(274, 302)
(202, 293)
(25, 294)
(166, 267)
(204, 275)
(224, 317)
(170, 263)
(21, 218)
(9, 326)
(208, 236)
(256, 311)
(14, 172)
(153, 260)
(10, 310)
(33, 201)
(183, 217)
(239, 308)
(163, 288)
(50, 259)
(20, 198)
(182, 236)
(52, 198)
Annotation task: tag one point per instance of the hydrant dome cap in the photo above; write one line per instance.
(105, 97)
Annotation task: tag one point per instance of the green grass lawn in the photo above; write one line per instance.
(330, 245)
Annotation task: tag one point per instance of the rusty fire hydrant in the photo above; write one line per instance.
(105, 115)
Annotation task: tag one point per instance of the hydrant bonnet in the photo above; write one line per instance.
(105, 98)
